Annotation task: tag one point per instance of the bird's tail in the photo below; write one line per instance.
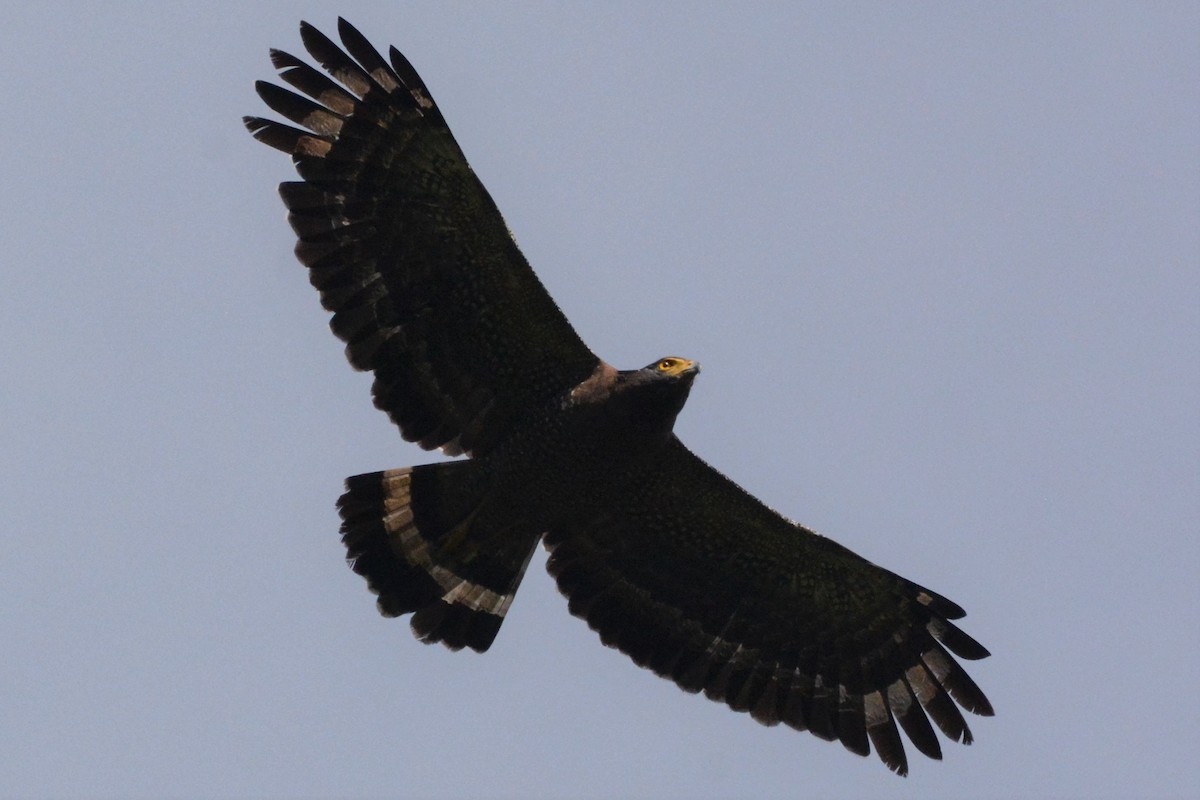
(418, 536)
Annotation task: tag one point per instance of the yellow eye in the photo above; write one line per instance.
(666, 364)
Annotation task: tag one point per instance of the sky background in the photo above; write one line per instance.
(941, 263)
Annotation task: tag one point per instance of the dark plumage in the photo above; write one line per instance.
(666, 559)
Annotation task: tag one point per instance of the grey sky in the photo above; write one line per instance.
(942, 267)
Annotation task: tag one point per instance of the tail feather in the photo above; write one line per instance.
(417, 536)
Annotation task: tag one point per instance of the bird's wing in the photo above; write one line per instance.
(699, 581)
(426, 284)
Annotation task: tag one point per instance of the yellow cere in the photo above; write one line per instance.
(674, 365)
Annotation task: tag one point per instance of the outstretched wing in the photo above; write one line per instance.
(425, 282)
(697, 580)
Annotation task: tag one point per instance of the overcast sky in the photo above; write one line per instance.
(941, 264)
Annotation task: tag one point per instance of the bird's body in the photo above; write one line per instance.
(670, 561)
(559, 467)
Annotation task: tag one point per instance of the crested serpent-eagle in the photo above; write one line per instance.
(668, 560)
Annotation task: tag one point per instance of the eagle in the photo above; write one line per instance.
(666, 559)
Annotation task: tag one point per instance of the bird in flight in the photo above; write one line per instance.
(665, 558)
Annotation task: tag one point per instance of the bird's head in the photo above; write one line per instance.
(674, 367)
(656, 392)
